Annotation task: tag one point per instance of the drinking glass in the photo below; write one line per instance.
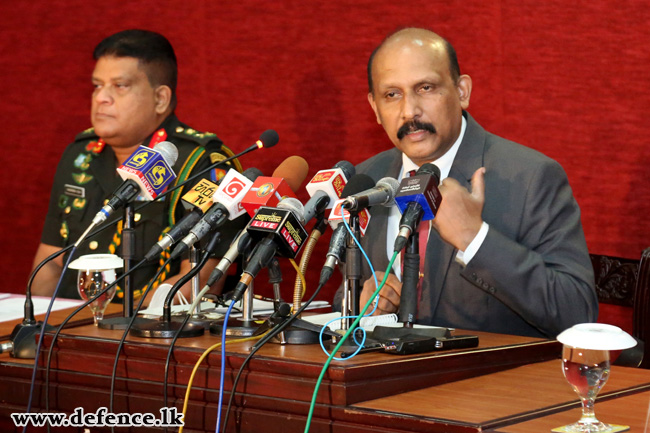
(96, 272)
(585, 364)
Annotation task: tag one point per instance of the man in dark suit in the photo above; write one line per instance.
(506, 251)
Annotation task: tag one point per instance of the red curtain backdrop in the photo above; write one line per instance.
(569, 79)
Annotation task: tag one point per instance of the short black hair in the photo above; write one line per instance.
(454, 67)
(153, 51)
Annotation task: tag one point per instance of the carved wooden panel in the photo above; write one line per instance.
(615, 279)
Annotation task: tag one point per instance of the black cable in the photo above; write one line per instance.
(40, 344)
(257, 346)
(67, 319)
(180, 283)
(126, 332)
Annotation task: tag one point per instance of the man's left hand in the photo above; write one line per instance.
(459, 217)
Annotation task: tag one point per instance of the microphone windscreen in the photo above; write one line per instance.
(347, 168)
(293, 170)
(269, 138)
(168, 151)
(356, 184)
(252, 173)
(430, 169)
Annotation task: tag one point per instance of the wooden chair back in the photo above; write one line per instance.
(625, 284)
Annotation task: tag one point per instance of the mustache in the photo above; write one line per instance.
(413, 126)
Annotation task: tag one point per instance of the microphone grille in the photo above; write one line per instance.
(391, 185)
(168, 151)
(294, 205)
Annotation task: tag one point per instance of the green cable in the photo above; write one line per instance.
(347, 334)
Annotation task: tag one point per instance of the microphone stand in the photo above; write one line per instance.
(409, 301)
(167, 327)
(243, 326)
(128, 255)
(352, 282)
(302, 331)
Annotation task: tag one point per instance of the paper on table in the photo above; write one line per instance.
(260, 308)
(12, 306)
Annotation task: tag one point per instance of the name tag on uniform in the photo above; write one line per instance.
(74, 191)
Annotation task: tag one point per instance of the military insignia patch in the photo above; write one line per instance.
(79, 203)
(82, 161)
(219, 172)
(64, 230)
(95, 146)
(82, 178)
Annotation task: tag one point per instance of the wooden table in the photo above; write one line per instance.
(466, 390)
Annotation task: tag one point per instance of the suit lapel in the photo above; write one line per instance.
(440, 255)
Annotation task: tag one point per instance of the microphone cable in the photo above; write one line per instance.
(265, 338)
(375, 300)
(67, 319)
(180, 283)
(126, 332)
(343, 339)
(40, 341)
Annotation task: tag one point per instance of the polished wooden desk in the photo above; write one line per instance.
(456, 391)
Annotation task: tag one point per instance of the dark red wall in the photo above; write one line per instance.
(567, 78)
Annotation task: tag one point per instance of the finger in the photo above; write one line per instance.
(478, 184)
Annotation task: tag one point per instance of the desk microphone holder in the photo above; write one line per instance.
(351, 283)
(409, 302)
(128, 255)
(243, 326)
(168, 327)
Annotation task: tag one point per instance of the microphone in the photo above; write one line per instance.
(268, 138)
(237, 247)
(147, 172)
(418, 199)
(281, 233)
(336, 251)
(326, 187)
(227, 206)
(198, 200)
(268, 191)
(383, 193)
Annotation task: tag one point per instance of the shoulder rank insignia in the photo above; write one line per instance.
(192, 134)
(82, 178)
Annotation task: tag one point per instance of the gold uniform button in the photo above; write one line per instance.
(137, 217)
(179, 129)
(93, 245)
(67, 209)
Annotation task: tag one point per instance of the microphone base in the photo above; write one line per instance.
(161, 329)
(235, 327)
(24, 341)
(383, 333)
(296, 335)
(349, 345)
(119, 323)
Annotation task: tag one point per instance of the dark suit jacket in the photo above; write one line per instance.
(532, 274)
